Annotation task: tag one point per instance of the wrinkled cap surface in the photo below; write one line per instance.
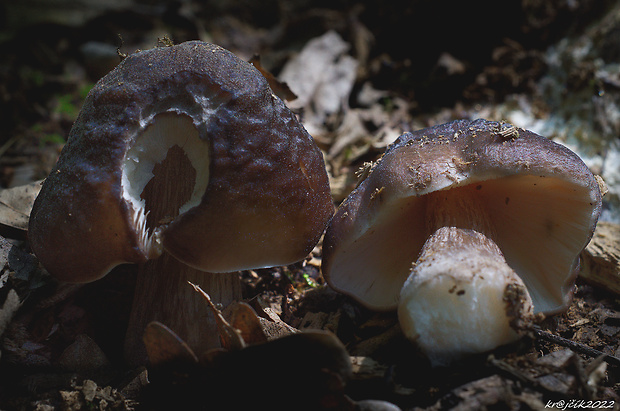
(541, 198)
(261, 196)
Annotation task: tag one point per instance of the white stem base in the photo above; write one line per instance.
(461, 296)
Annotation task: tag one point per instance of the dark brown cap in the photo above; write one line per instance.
(261, 194)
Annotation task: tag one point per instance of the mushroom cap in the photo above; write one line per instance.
(267, 200)
(542, 200)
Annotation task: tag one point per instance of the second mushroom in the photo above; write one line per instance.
(466, 228)
(182, 160)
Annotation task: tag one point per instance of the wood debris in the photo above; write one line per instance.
(601, 258)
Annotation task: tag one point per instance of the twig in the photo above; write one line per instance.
(5, 147)
(575, 346)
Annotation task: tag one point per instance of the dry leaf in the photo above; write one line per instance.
(163, 345)
(273, 326)
(322, 77)
(10, 307)
(320, 321)
(5, 249)
(280, 88)
(306, 72)
(16, 204)
(230, 338)
(246, 322)
(351, 131)
(365, 368)
(23, 265)
(83, 355)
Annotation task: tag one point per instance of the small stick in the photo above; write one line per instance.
(575, 346)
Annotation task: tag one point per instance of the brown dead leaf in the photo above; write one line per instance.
(276, 329)
(163, 345)
(280, 88)
(271, 322)
(246, 322)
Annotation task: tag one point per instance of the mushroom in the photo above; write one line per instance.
(181, 160)
(464, 227)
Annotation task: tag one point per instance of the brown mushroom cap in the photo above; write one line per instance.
(542, 200)
(261, 196)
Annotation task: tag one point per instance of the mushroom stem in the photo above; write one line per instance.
(163, 294)
(461, 296)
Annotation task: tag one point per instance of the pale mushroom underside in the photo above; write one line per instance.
(541, 225)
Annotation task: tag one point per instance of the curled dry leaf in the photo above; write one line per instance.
(230, 338)
(243, 328)
(280, 88)
(246, 323)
